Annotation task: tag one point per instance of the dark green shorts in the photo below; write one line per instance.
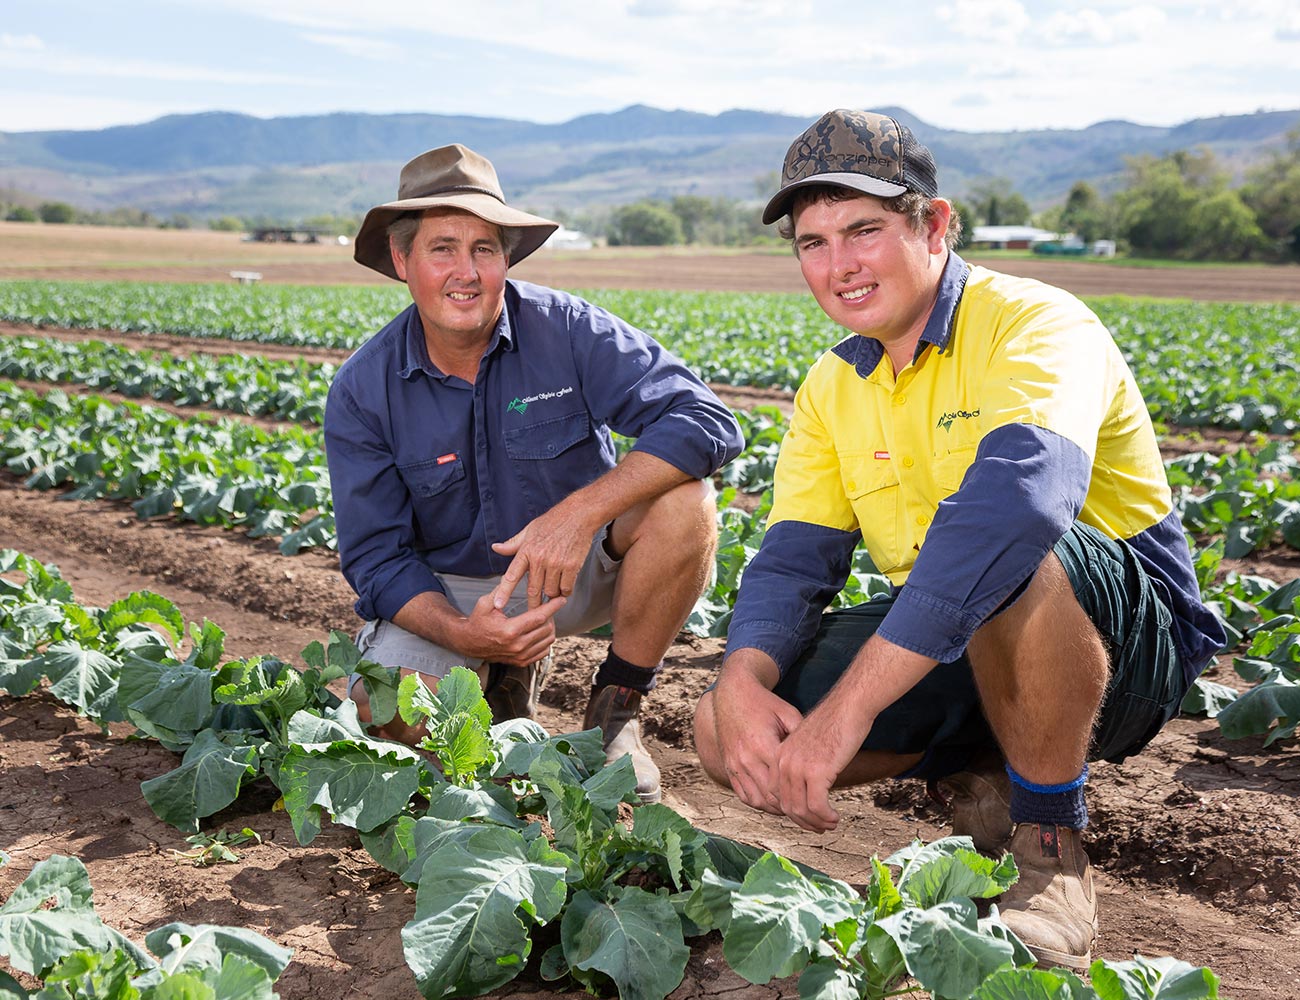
(941, 716)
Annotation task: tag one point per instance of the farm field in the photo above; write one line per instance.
(1194, 840)
(46, 252)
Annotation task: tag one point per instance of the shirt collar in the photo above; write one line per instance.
(415, 353)
(864, 353)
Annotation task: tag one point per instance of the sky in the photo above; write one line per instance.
(972, 65)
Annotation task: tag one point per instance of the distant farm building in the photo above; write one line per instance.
(567, 239)
(1009, 237)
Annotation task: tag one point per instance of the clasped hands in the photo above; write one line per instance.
(778, 760)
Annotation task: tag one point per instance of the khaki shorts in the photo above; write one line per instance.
(588, 607)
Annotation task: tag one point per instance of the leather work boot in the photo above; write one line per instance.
(513, 692)
(614, 709)
(1053, 908)
(980, 800)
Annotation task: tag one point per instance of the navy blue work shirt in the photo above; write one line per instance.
(427, 470)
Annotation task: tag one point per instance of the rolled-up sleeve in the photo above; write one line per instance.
(639, 389)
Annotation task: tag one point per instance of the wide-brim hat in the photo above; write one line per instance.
(447, 177)
(862, 150)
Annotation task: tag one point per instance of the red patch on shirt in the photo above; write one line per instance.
(882, 455)
(444, 459)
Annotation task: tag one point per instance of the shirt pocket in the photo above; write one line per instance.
(445, 511)
(547, 439)
(950, 469)
(872, 488)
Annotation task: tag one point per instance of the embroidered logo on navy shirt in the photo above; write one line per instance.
(518, 405)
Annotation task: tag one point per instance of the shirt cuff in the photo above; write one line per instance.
(928, 625)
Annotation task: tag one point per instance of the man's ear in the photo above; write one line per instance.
(936, 224)
(399, 259)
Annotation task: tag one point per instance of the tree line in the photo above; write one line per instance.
(1180, 206)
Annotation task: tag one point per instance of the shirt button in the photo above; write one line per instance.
(922, 520)
(900, 399)
(851, 485)
(487, 494)
(908, 462)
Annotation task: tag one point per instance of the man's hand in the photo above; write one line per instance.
(495, 637)
(809, 762)
(751, 722)
(815, 755)
(550, 550)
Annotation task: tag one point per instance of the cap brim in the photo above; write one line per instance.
(780, 203)
(371, 244)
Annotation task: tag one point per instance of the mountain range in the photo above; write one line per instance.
(219, 163)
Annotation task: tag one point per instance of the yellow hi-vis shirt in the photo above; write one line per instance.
(1017, 415)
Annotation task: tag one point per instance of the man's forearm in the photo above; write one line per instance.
(744, 664)
(431, 616)
(880, 674)
(638, 477)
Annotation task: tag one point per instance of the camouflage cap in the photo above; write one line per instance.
(863, 150)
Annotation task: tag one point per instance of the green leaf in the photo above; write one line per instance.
(634, 939)
(826, 979)
(141, 608)
(777, 919)
(467, 934)
(1207, 698)
(943, 947)
(1152, 979)
(11, 989)
(489, 803)
(1272, 707)
(523, 741)
(170, 702)
(1032, 984)
(380, 684)
(356, 785)
(86, 679)
(94, 975)
(180, 947)
(208, 780)
(52, 914)
(950, 868)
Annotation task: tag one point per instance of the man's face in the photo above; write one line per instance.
(868, 269)
(456, 272)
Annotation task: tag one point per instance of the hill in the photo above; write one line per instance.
(224, 163)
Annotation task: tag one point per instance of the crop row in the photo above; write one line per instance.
(1199, 364)
(232, 474)
(515, 829)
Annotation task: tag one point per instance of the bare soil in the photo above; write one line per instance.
(1193, 841)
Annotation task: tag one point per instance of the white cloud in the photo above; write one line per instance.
(353, 45)
(976, 64)
(1089, 26)
(19, 112)
(21, 43)
(74, 64)
(1001, 21)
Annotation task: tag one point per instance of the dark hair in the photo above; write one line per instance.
(402, 230)
(916, 206)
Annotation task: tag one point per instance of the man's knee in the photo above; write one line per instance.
(682, 519)
(693, 502)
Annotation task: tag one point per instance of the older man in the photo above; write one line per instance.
(982, 436)
(479, 505)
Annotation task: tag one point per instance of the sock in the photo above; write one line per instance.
(1062, 805)
(618, 672)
